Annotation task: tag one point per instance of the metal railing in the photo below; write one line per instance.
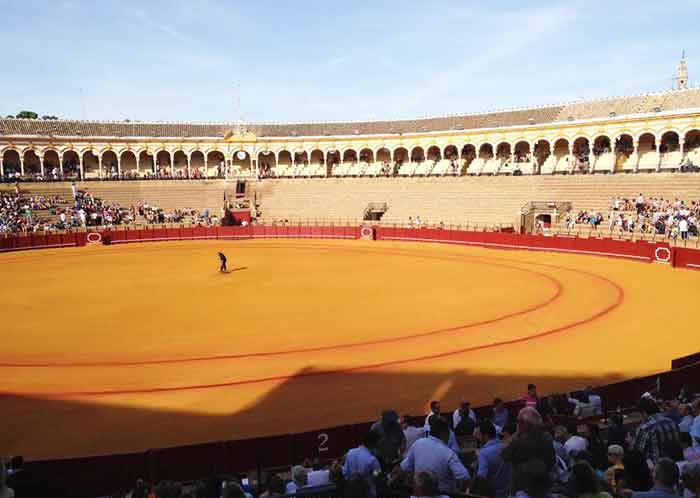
(691, 241)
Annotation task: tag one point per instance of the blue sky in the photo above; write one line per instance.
(324, 60)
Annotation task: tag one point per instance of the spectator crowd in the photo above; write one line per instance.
(556, 446)
(671, 218)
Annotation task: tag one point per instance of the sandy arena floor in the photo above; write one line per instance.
(119, 348)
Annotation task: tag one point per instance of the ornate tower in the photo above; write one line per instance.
(682, 74)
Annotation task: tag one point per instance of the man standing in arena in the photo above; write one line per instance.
(222, 259)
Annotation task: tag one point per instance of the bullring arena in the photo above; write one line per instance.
(190, 355)
(377, 264)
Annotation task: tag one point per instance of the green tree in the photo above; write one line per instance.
(27, 115)
(49, 117)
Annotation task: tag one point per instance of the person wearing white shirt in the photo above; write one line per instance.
(462, 411)
(300, 479)
(683, 227)
(411, 432)
(434, 410)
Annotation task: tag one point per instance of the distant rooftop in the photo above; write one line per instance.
(574, 111)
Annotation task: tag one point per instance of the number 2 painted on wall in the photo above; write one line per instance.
(323, 441)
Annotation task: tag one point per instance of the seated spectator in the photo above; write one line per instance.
(356, 487)
(616, 455)
(637, 474)
(560, 435)
(617, 432)
(432, 453)
(690, 480)
(584, 483)
(300, 479)
(275, 487)
(5, 492)
(576, 443)
(426, 485)
(596, 447)
(411, 431)
(665, 481)
(318, 475)
(690, 454)
(500, 414)
(231, 490)
(686, 418)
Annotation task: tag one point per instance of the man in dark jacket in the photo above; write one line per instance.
(391, 438)
(530, 442)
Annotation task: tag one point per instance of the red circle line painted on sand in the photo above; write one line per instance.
(620, 296)
(556, 285)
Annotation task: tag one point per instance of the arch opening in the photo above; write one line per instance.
(71, 164)
(91, 164)
(11, 163)
(52, 164)
(32, 164)
(581, 152)
(216, 164)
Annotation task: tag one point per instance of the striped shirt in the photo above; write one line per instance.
(652, 435)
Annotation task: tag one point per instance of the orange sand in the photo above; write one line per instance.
(119, 348)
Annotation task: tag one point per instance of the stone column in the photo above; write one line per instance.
(21, 165)
(41, 165)
(2, 168)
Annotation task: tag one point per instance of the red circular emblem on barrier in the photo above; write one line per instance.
(666, 257)
(98, 237)
(366, 231)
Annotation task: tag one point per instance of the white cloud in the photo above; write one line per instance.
(159, 25)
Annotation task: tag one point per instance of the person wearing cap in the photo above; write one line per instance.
(575, 444)
(460, 415)
(392, 440)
